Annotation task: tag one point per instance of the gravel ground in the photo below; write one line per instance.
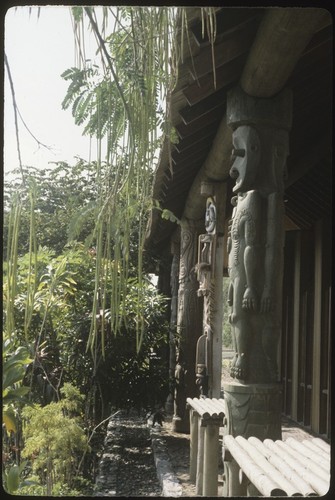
(127, 467)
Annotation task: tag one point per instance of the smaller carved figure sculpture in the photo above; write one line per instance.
(205, 266)
(202, 364)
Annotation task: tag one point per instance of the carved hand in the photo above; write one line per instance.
(249, 299)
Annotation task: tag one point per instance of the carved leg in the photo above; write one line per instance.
(232, 366)
(240, 367)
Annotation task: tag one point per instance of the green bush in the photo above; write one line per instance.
(55, 441)
(137, 380)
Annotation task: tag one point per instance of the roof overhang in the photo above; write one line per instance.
(263, 50)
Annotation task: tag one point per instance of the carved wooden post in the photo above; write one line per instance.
(174, 285)
(189, 321)
(256, 237)
(255, 260)
(210, 274)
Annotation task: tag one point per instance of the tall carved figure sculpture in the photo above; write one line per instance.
(256, 231)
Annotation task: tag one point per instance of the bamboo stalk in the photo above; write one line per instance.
(220, 405)
(317, 450)
(300, 484)
(208, 407)
(195, 403)
(267, 467)
(255, 474)
(322, 444)
(305, 450)
(318, 484)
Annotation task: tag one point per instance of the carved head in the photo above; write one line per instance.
(246, 158)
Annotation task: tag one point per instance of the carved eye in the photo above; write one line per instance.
(238, 152)
(233, 172)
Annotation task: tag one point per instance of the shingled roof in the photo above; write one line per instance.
(199, 105)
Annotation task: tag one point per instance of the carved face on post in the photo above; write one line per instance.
(246, 156)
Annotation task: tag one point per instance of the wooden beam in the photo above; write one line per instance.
(224, 51)
(191, 113)
(200, 148)
(225, 76)
(215, 168)
(213, 115)
(282, 37)
(228, 20)
(190, 140)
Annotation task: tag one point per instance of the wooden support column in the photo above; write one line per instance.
(210, 276)
(174, 285)
(189, 322)
(296, 322)
(194, 426)
(217, 319)
(315, 405)
(200, 458)
(211, 451)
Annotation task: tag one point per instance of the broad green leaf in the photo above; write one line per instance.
(9, 419)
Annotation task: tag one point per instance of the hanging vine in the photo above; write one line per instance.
(118, 98)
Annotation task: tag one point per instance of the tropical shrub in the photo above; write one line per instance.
(55, 441)
(131, 379)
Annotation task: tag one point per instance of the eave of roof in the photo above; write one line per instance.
(198, 107)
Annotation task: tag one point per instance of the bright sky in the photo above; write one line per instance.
(38, 51)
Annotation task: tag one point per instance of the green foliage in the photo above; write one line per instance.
(65, 205)
(120, 98)
(132, 379)
(14, 369)
(54, 440)
(13, 397)
(14, 483)
(73, 250)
